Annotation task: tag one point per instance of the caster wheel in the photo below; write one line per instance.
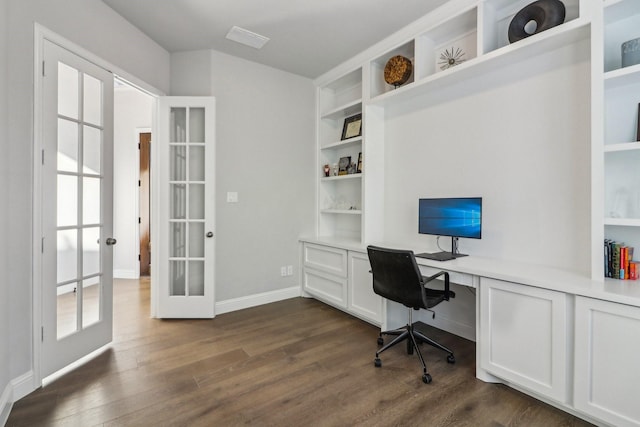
(426, 378)
(451, 359)
(380, 341)
(377, 362)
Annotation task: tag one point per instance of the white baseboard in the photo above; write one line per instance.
(126, 274)
(23, 385)
(6, 402)
(235, 304)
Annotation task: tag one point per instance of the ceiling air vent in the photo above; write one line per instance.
(247, 37)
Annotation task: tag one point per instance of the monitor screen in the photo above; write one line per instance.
(455, 217)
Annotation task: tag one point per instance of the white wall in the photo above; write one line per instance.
(132, 111)
(265, 152)
(4, 184)
(520, 138)
(94, 26)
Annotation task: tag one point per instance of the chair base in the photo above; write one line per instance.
(413, 337)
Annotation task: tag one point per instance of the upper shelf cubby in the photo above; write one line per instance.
(341, 96)
(378, 84)
(621, 24)
(496, 16)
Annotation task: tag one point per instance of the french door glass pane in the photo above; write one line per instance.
(178, 195)
(68, 89)
(196, 240)
(67, 200)
(178, 163)
(177, 240)
(91, 150)
(66, 310)
(67, 146)
(177, 278)
(196, 163)
(196, 278)
(196, 125)
(90, 251)
(196, 201)
(178, 124)
(92, 100)
(91, 201)
(67, 261)
(90, 301)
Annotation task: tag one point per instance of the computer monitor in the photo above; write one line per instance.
(452, 217)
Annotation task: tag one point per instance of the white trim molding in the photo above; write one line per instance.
(6, 402)
(249, 301)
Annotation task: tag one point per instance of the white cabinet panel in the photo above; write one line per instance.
(363, 302)
(326, 258)
(327, 287)
(607, 374)
(524, 336)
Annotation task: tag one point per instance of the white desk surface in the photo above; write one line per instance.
(620, 291)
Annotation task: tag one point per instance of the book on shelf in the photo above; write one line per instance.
(618, 261)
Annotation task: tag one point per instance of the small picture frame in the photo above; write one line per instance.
(359, 169)
(352, 127)
(343, 165)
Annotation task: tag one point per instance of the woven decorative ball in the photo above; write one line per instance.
(398, 70)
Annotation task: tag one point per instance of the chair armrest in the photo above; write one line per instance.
(447, 292)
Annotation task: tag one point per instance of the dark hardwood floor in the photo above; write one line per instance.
(292, 363)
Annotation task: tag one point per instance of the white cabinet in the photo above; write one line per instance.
(524, 336)
(324, 273)
(341, 278)
(607, 374)
(363, 302)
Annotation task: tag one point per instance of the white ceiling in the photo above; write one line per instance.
(308, 37)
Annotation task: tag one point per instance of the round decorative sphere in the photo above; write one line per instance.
(398, 70)
(544, 13)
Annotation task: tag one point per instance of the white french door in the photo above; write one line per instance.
(186, 193)
(77, 205)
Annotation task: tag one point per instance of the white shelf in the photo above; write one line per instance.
(342, 211)
(622, 77)
(625, 146)
(341, 177)
(344, 143)
(346, 110)
(627, 222)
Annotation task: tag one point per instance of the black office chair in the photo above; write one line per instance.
(396, 277)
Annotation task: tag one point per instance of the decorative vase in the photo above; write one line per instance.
(631, 52)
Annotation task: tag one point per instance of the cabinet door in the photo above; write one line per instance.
(523, 336)
(607, 375)
(363, 302)
(326, 287)
(325, 258)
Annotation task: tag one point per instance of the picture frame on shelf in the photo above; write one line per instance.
(359, 169)
(352, 127)
(343, 165)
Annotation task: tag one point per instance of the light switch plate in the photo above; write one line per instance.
(232, 197)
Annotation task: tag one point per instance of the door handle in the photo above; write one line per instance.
(210, 234)
(111, 241)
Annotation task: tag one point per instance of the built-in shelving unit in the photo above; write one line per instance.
(617, 115)
(349, 207)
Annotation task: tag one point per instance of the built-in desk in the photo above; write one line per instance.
(557, 335)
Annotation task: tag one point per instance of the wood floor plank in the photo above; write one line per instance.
(290, 363)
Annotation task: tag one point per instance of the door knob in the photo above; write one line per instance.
(210, 234)
(111, 241)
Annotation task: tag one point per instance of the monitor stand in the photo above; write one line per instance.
(444, 256)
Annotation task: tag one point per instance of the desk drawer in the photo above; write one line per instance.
(459, 278)
(326, 287)
(325, 258)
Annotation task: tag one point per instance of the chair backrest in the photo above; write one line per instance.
(396, 276)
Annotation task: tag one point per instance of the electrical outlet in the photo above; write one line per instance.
(289, 270)
(283, 271)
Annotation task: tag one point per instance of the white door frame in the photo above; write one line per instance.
(139, 131)
(33, 380)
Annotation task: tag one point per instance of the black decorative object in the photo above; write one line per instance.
(630, 52)
(545, 13)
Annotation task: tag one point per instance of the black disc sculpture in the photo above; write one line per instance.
(545, 13)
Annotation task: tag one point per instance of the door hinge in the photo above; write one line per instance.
(139, 220)
(139, 183)
(138, 145)
(42, 333)
(42, 245)
(43, 73)
(43, 156)
(139, 257)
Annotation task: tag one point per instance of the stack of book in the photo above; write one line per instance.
(618, 261)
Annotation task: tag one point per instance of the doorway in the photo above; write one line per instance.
(144, 147)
